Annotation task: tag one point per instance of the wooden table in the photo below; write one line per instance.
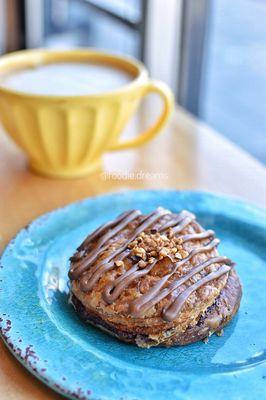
(188, 155)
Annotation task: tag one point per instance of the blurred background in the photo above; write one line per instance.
(211, 52)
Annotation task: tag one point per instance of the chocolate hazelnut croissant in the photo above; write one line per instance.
(154, 279)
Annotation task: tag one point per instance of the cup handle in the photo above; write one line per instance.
(168, 99)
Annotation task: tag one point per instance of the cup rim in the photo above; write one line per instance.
(37, 56)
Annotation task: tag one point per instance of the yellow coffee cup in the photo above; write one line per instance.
(66, 136)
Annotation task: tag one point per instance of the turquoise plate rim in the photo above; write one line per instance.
(234, 207)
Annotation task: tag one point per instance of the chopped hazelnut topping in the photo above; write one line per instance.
(163, 253)
(178, 255)
(183, 253)
(179, 240)
(164, 238)
(119, 263)
(132, 244)
(142, 264)
(139, 251)
(152, 246)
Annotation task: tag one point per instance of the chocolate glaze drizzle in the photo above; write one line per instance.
(88, 270)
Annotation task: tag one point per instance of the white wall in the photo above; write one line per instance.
(163, 40)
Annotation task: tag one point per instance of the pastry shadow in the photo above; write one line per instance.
(196, 358)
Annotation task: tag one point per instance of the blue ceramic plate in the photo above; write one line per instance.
(44, 333)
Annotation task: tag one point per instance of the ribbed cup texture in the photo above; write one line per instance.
(65, 138)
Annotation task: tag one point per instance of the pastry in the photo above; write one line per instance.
(154, 279)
